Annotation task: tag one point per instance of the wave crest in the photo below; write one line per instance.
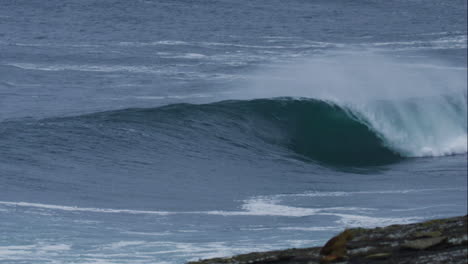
(378, 133)
(368, 134)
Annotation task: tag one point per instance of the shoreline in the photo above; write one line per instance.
(430, 242)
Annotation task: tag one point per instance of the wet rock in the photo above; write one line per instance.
(379, 256)
(335, 249)
(427, 234)
(458, 240)
(432, 242)
(425, 243)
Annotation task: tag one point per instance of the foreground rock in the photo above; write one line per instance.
(435, 241)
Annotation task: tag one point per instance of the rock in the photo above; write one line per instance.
(379, 256)
(427, 234)
(458, 240)
(424, 243)
(335, 248)
(432, 242)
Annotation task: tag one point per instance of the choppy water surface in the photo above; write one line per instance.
(168, 131)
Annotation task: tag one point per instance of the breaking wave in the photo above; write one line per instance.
(377, 133)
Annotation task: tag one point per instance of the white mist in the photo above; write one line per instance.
(418, 108)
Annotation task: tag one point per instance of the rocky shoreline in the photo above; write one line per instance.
(435, 241)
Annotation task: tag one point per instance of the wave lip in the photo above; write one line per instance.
(421, 127)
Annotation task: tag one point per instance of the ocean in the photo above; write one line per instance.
(164, 131)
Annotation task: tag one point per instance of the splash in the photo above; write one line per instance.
(418, 107)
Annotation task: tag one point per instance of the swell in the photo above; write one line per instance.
(316, 130)
(310, 129)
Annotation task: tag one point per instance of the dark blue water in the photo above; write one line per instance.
(168, 131)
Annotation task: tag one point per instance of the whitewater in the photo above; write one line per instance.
(169, 131)
(416, 111)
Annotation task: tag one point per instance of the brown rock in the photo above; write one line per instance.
(335, 248)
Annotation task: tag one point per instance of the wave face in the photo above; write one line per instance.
(322, 131)
(415, 111)
(378, 133)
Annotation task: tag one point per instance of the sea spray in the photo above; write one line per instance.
(418, 108)
(430, 126)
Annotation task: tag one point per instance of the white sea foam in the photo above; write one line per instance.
(192, 56)
(444, 42)
(353, 220)
(155, 249)
(269, 206)
(121, 244)
(147, 233)
(170, 55)
(52, 45)
(32, 251)
(153, 43)
(427, 207)
(455, 39)
(56, 247)
(194, 251)
(313, 229)
(174, 73)
(85, 67)
(452, 42)
(252, 207)
(443, 33)
(351, 193)
(264, 207)
(81, 209)
(261, 207)
(205, 44)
